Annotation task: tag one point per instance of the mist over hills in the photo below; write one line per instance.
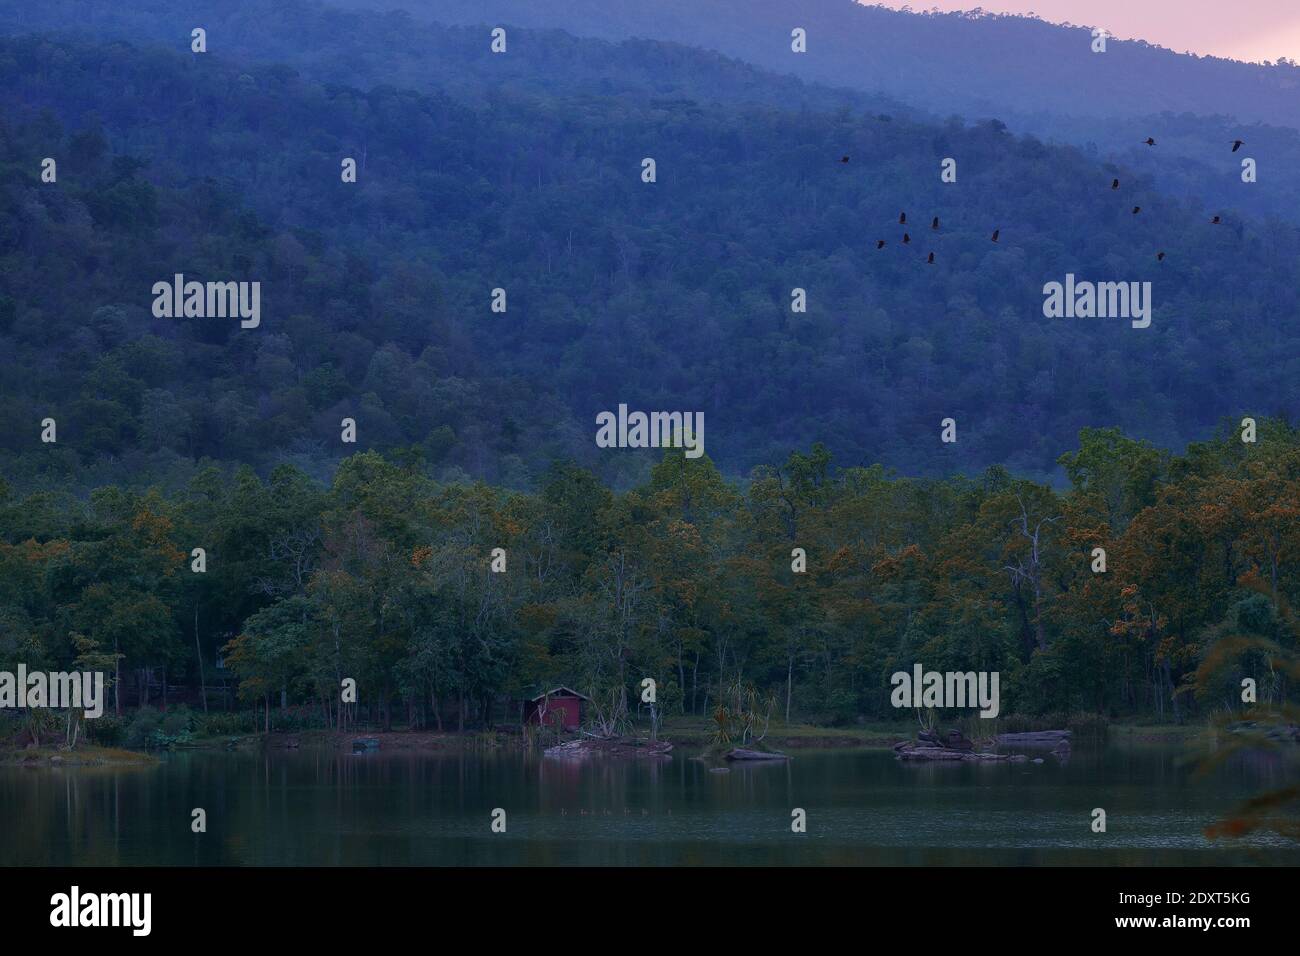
(923, 66)
(949, 62)
(1038, 77)
(395, 47)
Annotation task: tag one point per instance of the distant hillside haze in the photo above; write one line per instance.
(363, 49)
(392, 47)
(947, 63)
(1250, 30)
(1038, 77)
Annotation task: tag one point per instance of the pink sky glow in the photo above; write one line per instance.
(1254, 30)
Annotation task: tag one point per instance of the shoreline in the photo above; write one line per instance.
(796, 737)
(84, 756)
(691, 736)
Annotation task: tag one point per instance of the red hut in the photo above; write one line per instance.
(561, 705)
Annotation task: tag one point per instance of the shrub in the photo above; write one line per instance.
(297, 719)
(106, 730)
(139, 732)
(223, 724)
(1088, 725)
(177, 721)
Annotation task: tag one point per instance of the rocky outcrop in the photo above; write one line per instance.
(610, 747)
(1048, 739)
(953, 745)
(911, 751)
(740, 753)
(1278, 733)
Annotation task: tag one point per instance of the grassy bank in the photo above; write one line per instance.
(1158, 733)
(84, 756)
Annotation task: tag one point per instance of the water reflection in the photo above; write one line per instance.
(321, 807)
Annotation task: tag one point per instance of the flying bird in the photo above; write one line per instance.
(1114, 184)
(902, 218)
(1237, 144)
(1149, 141)
(995, 234)
(935, 223)
(931, 259)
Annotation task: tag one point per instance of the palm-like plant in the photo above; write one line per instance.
(1272, 726)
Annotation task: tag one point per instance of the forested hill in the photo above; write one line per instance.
(674, 295)
(367, 49)
(1037, 77)
(924, 67)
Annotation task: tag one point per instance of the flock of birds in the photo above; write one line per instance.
(1114, 184)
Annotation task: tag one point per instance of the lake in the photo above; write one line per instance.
(319, 807)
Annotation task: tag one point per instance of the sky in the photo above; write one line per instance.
(1253, 30)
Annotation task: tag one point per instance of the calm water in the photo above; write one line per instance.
(319, 807)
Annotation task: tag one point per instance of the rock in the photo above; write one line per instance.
(952, 740)
(611, 747)
(572, 748)
(955, 740)
(930, 753)
(946, 753)
(741, 754)
(1276, 733)
(1037, 738)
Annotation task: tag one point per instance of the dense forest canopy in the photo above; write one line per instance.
(672, 295)
(385, 576)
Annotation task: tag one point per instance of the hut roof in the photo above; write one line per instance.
(561, 689)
